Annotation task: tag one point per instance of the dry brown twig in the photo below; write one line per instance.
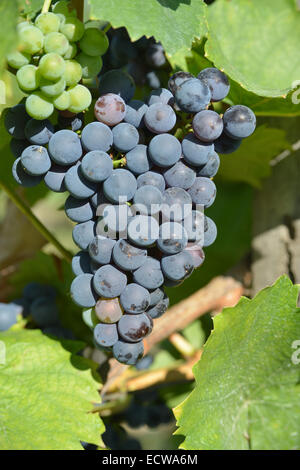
(219, 293)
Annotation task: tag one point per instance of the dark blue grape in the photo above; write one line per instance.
(74, 123)
(160, 308)
(54, 179)
(79, 210)
(156, 295)
(177, 267)
(197, 254)
(153, 79)
(160, 118)
(128, 353)
(97, 166)
(15, 121)
(109, 282)
(210, 232)
(203, 191)
(128, 257)
(148, 199)
(137, 160)
(23, 178)
(149, 275)
(39, 132)
(84, 233)
(239, 122)
(217, 81)
(106, 335)
(65, 147)
(225, 144)
(210, 169)
(114, 219)
(77, 184)
(151, 178)
(35, 160)
(100, 249)
(192, 95)
(194, 226)
(117, 82)
(96, 136)
(135, 111)
(82, 291)
(134, 328)
(17, 147)
(180, 175)
(135, 298)
(196, 153)
(155, 55)
(161, 95)
(81, 263)
(177, 79)
(144, 363)
(35, 289)
(173, 238)
(143, 230)
(207, 125)
(177, 204)
(8, 315)
(164, 150)
(125, 137)
(121, 184)
(98, 199)
(44, 311)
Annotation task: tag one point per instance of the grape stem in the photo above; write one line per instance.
(118, 163)
(17, 200)
(46, 6)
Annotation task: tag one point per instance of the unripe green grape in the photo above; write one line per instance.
(23, 24)
(71, 52)
(47, 22)
(91, 66)
(81, 99)
(28, 78)
(98, 24)
(73, 29)
(62, 101)
(94, 42)
(38, 106)
(56, 42)
(52, 66)
(62, 8)
(50, 88)
(18, 59)
(73, 72)
(31, 39)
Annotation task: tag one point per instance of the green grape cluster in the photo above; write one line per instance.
(55, 53)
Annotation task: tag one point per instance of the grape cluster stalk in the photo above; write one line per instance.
(137, 193)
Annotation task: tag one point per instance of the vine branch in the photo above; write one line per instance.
(17, 200)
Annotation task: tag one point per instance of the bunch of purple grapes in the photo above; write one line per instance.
(137, 194)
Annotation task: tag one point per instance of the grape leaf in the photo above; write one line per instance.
(256, 43)
(46, 393)
(247, 390)
(166, 20)
(251, 162)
